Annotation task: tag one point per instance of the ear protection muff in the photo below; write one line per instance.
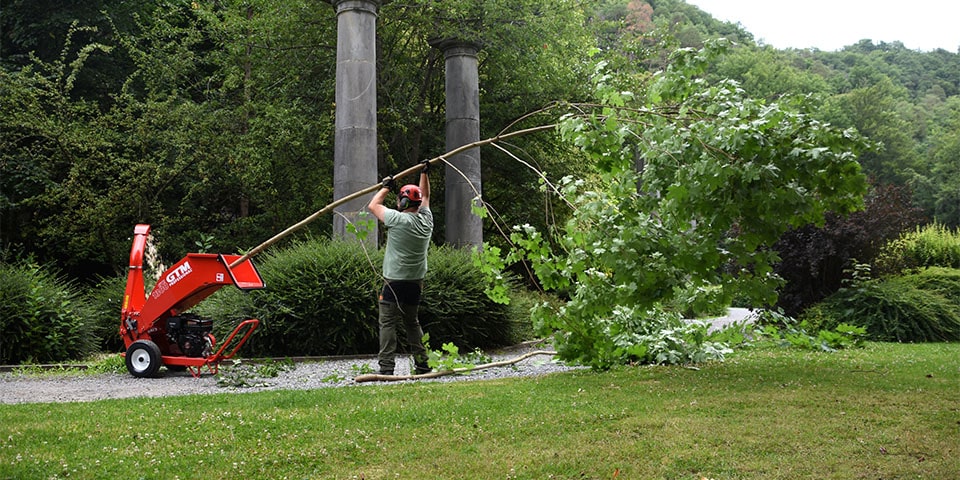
(410, 196)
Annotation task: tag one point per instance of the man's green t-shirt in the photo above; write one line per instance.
(408, 237)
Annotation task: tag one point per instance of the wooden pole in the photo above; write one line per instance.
(373, 188)
(373, 377)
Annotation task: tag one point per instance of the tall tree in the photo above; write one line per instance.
(40, 28)
(938, 181)
(765, 72)
(214, 131)
(875, 111)
(50, 145)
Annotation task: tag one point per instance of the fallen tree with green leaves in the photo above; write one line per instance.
(692, 183)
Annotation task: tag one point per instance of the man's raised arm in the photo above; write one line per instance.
(425, 185)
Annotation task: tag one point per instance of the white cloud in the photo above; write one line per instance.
(833, 24)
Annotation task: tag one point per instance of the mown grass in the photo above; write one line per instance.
(885, 411)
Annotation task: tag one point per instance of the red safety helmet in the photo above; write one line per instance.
(410, 195)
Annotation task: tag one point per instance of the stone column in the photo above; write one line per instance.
(355, 141)
(462, 177)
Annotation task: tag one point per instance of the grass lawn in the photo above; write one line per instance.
(883, 412)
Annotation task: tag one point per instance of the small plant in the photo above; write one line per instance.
(30, 369)
(272, 368)
(845, 336)
(205, 244)
(107, 364)
(236, 375)
(477, 357)
(489, 262)
(738, 334)
(785, 329)
(856, 275)
(361, 369)
(243, 375)
(362, 226)
(448, 358)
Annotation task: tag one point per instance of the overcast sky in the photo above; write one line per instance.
(830, 25)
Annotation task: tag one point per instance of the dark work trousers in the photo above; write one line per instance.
(394, 319)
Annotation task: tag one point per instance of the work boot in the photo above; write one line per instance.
(422, 368)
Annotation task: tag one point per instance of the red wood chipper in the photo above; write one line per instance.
(156, 329)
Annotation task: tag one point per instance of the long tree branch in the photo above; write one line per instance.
(373, 377)
(373, 188)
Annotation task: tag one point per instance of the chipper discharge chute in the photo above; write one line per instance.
(156, 330)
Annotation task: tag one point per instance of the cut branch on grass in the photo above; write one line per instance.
(397, 378)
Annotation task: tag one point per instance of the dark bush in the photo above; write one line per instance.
(42, 317)
(813, 259)
(322, 299)
(921, 307)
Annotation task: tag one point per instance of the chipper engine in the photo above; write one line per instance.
(157, 329)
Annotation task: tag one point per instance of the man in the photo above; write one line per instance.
(409, 229)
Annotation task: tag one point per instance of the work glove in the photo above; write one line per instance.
(388, 183)
(426, 166)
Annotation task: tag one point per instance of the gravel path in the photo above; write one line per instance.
(69, 387)
(305, 376)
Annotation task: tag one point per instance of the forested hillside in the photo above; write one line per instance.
(213, 120)
(906, 101)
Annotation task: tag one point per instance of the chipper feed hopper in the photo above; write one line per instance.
(156, 329)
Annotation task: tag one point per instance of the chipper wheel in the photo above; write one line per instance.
(143, 358)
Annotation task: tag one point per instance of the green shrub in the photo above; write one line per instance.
(788, 332)
(522, 303)
(920, 307)
(942, 281)
(105, 300)
(932, 245)
(322, 299)
(42, 317)
(456, 309)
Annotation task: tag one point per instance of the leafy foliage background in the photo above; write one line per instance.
(214, 121)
